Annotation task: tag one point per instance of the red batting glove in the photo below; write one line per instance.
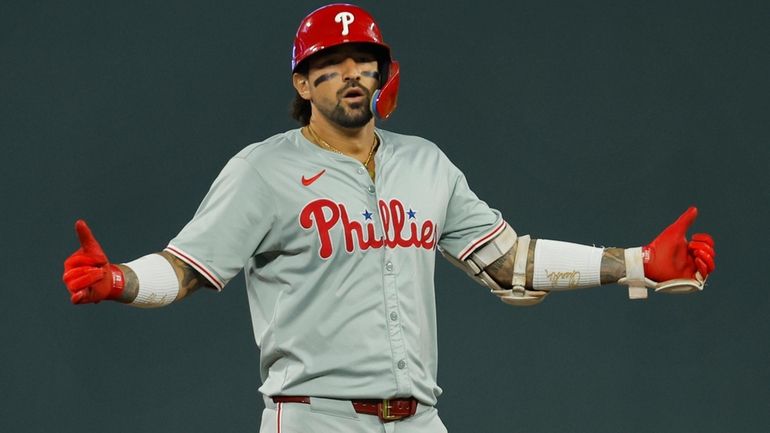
(88, 274)
(670, 256)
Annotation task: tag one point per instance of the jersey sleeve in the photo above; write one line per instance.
(234, 217)
(469, 223)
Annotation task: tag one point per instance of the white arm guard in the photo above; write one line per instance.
(566, 266)
(491, 251)
(158, 284)
(638, 284)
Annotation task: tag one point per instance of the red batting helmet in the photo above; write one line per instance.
(341, 23)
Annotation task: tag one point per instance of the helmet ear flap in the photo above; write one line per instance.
(385, 99)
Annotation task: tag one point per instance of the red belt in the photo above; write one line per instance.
(386, 410)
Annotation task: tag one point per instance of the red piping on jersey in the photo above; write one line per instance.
(468, 250)
(195, 264)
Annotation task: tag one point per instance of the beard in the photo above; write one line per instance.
(356, 118)
(355, 115)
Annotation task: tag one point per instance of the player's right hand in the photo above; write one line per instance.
(88, 274)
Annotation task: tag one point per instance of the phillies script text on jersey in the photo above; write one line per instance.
(326, 214)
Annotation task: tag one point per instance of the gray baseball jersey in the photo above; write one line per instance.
(339, 269)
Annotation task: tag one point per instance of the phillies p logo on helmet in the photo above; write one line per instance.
(346, 18)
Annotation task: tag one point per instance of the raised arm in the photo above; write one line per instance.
(154, 280)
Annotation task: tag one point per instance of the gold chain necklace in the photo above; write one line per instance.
(323, 142)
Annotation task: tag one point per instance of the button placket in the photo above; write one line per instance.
(396, 337)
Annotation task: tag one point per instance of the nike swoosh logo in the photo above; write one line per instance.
(308, 181)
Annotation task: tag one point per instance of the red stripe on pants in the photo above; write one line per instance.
(278, 422)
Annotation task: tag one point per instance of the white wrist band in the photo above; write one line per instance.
(158, 285)
(566, 266)
(634, 273)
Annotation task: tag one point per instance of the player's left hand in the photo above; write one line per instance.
(671, 256)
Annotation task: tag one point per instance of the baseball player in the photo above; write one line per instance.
(336, 225)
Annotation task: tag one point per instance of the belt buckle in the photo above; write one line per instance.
(383, 411)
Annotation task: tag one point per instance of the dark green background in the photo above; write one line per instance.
(592, 122)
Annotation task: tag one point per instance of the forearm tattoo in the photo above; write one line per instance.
(131, 285)
(613, 265)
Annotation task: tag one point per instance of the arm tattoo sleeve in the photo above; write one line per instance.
(613, 265)
(131, 285)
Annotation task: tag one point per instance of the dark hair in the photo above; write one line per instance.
(300, 110)
(300, 107)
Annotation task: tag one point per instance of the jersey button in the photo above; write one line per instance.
(371, 189)
(360, 170)
(389, 266)
(393, 316)
(401, 364)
